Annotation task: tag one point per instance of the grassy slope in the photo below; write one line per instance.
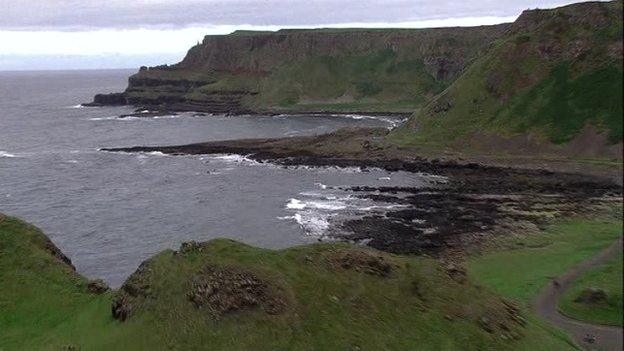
(44, 305)
(378, 79)
(607, 278)
(535, 81)
(520, 267)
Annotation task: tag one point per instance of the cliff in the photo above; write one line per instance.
(321, 69)
(553, 82)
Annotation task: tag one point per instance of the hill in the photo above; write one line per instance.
(231, 296)
(395, 70)
(553, 83)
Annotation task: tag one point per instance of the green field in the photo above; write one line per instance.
(320, 297)
(607, 278)
(519, 267)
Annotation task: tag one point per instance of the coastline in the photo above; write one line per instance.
(476, 201)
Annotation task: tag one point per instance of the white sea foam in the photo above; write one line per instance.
(380, 207)
(295, 204)
(324, 204)
(103, 118)
(166, 116)
(315, 224)
(6, 154)
(235, 158)
(155, 153)
(392, 121)
(77, 106)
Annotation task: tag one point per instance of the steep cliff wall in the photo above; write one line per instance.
(323, 69)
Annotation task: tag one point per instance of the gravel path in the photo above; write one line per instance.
(607, 338)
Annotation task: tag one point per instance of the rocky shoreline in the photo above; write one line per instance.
(444, 219)
(167, 106)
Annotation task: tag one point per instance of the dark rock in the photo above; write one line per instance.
(442, 106)
(486, 324)
(456, 272)
(97, 286)
(109, 99)
(147, 114)
(57, 253)
(121, 308)
(224, 290)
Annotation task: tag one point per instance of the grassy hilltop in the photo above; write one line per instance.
(224, 295)
(555, 78)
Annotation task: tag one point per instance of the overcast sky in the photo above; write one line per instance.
(47, 34)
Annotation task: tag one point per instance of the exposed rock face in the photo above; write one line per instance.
(362, 262)
(135, 287)
(109, 99)
(442, 49)
(224, 290)
(257, 71)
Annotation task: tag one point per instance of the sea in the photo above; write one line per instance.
(110, 211)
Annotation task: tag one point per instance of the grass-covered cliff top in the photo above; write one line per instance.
(357, 30)
(235, 297)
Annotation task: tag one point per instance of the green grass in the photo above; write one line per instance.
(38, 293)
(568, 105)
(521, 266)
(608, 278)
(44, 305)
(377, 79)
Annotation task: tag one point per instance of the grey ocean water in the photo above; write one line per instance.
(110, 211)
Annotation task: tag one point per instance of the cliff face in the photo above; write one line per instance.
(444, 51)
(325, 69)
(556, 77)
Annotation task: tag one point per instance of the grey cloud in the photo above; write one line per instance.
(98, 14)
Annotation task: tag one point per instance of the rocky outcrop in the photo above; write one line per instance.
(113, 99)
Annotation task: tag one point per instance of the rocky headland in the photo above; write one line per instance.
(316, 70)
